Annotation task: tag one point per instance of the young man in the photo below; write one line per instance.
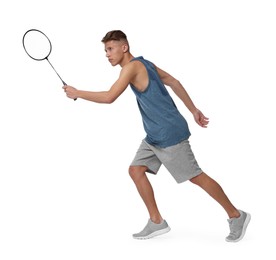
(167, 132)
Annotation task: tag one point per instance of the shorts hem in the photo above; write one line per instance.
(179, 181)
(148, 168)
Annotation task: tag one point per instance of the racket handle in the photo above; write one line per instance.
(64, 84)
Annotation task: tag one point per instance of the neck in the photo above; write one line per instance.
(127, 58)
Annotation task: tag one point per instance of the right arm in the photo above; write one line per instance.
(126, 75)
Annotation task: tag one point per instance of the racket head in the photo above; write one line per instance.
(36, 44)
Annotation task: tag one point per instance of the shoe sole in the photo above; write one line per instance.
(246, 222)
(154, 234)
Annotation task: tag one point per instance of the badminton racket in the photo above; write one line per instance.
(39, 47)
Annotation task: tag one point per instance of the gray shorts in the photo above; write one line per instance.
(178, 159)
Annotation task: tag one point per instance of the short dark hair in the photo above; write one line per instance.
(115, 35)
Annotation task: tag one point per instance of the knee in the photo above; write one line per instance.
(198, 179)
(136, 172)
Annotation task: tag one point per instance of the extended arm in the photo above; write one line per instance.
(108, 96)
(180, 91)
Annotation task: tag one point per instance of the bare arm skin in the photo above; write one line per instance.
(180, 91)
(130, 73)
(109, 96)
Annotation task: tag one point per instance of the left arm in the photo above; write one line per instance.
(180, 91)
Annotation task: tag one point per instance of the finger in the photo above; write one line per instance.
(205, 121)
(199, 123)
(202, 116)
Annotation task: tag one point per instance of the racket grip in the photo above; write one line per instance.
(64, 84)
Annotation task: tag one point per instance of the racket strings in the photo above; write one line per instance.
(36, 44)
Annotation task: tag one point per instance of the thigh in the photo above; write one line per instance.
(145, 156)
(180, 161)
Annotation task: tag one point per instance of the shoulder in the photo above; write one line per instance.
(133, 67)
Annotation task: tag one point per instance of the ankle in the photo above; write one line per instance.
(157, 220)
(234, 214)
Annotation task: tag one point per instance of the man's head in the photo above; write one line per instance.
(115, 35)
(116, 45)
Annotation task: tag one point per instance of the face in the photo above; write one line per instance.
(115, 52)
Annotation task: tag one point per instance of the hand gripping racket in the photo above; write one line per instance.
(39, 47)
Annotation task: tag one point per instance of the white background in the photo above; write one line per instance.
(65, 192)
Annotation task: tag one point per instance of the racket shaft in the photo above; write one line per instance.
(56, 72)
(64, 84)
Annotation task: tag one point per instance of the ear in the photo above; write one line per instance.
(125, 48)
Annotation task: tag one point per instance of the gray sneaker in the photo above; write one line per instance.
(152, 229)
(238, 227)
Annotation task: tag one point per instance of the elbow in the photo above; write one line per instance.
(171, 82)
(110, 99)
(175, 84)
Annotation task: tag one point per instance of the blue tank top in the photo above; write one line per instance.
(163, 123)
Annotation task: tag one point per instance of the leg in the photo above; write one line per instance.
(138, 175)
(216, 192)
